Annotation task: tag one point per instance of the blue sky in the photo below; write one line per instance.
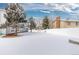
(39, 10)
(2, 5)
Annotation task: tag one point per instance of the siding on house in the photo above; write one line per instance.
(70, 24)
(58, 23)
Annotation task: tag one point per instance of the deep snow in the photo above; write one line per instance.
(44, 42)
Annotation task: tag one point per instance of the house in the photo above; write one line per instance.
(69, 24)
(58, 23)
(23, 26)
(2, 18)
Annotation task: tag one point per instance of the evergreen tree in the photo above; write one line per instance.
(14, 14)
(45, 23)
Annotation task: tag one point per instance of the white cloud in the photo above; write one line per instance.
(44, 11)
(48, 7)
(68, 7)
(31, 6)
(59, 6)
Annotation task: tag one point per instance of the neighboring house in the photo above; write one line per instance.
(22, 25)
(69, 24)
(2, 18)
(58, 23)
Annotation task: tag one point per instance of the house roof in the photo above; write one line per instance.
(70, 20)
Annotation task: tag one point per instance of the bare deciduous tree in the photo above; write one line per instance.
(32, 23)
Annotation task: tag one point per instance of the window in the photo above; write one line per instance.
(22, 25)
(68, 23)
(76, 23)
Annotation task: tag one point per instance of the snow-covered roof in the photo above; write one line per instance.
(70, 20)
(2, 18)
(2, 10)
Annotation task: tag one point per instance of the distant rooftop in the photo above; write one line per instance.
(2, 10)
(70, 20)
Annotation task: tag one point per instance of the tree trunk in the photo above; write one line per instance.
(16, 29)
(31, 30)
(6, 29)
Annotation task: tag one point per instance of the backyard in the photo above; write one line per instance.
(44, 42)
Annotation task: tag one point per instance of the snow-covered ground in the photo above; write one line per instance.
(51, 41)
(66, 31)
